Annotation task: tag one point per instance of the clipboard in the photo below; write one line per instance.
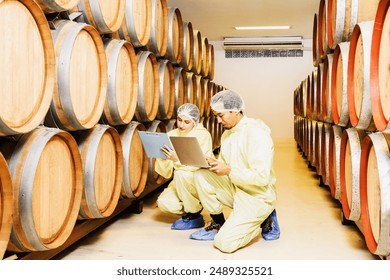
(152, 143)
(188, 149)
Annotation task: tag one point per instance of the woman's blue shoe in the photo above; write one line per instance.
(184, 224)
(270, 227)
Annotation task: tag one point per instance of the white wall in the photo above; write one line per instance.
(266, 84)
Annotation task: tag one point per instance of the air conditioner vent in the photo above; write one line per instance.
(263, 43)
(263, 53)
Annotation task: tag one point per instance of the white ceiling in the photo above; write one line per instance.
(215, 18)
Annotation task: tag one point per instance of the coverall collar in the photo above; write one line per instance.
(240, 124)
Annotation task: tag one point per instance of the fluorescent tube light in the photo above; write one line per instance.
(263, 27)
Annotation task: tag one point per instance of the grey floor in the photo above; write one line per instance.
(309, 218)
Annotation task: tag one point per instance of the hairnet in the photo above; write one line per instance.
(189, 111)
(227, 100)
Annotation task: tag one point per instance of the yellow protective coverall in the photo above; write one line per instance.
(180, 196)
(249, 189)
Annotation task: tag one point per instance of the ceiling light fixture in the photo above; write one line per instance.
(263, 27)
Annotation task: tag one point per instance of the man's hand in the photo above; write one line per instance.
(218, 167)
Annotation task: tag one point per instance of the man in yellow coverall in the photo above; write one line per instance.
(181, 197)
(242, 178)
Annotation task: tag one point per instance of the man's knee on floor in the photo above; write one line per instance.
(225, 245)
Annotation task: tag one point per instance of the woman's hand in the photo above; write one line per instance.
(169, 153)
(218, 167)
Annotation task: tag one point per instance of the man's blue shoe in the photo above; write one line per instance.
(270, 227)
(207, 233)
(184, 224)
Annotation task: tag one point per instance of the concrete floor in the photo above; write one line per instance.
(310, 221)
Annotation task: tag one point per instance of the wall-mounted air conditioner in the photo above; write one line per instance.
(263, 42)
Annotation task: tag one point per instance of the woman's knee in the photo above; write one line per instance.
(162, 204)
(169, 202)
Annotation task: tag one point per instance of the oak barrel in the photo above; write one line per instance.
(317, 129)
(350, 151)
(170, 124)
(211, 59)
(322, 37)
(175, 35)
(204, 70)
(310, 136)
(200, 93)
(343, 15)
(341, 21)
(137, 24)
(188, 46)
(6, 204)
(47, 177)
(319, 106)
(79, 96)
(325, 146)
(180, 88)
(197, 52)
(135, 161)
(208, 123)
(334, 160)
(305, 135)
(122, 89)
(101, 154)
(28, 61)
(215, 130)
(218, 130)
(314, 94)
(309, 96)
(326, 89)
(158, 42)
(375, 192)
(190, 96)
(358, 88)
(148, 87)
(379, 72)
(338, 89)
(210, 91)
(315, 47)
(105, 15)
(166, 101)
(50, 6)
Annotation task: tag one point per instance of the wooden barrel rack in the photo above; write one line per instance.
(119, 48)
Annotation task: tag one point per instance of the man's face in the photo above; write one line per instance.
(227, 119)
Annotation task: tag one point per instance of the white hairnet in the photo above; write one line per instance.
(189, 111)
(227, 101)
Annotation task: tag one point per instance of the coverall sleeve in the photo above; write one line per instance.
(255, 168)
(164, 167)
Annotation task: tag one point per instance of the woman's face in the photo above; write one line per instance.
(184, 124)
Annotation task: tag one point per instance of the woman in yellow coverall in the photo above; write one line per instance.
(181, 197)
(242, 178)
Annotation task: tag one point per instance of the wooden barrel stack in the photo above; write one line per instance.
(96, 73)
(351, 60)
